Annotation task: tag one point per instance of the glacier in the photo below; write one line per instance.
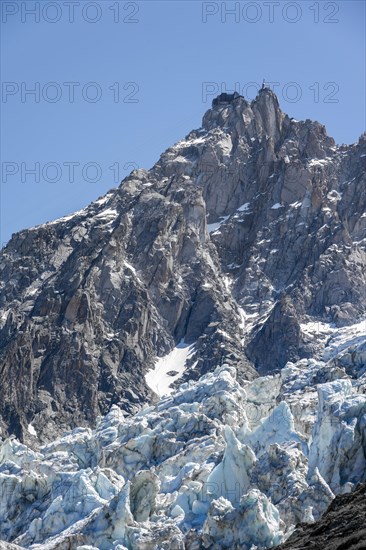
(214, 463)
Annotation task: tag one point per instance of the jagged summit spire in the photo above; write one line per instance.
(263, 115)
(265, 91)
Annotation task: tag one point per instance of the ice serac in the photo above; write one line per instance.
(224, 524)
(243, 235)
(340, 424)
(231, 477)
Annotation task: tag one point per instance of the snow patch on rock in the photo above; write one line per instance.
(168, 369)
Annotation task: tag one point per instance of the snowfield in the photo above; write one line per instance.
(214, 464)
(168, 369)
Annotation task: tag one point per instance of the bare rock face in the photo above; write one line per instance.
(341, 527)
(242, 232)
(282, 326)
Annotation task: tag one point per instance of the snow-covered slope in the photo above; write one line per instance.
(215, 464)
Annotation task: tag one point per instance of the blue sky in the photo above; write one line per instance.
(142, 74)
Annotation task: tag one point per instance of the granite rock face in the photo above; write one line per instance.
(241, 235)
(341, 527)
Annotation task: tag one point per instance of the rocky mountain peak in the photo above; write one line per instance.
(231, 112)
(268, 114)
(242, 233)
